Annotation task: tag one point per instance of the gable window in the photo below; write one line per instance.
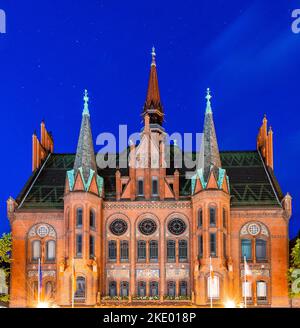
(200, 218)
(140, 187)
(213, 244)
(79, 213)
(50, 250)
(36, 250)
(141, 251)
(154, 186)
(78, 245)
(183, 250)
(171, 250)
(246, 249)
(92, 219)
(154, 250)
(212, 216)
(112, 250)
(261, 249)
(124, 251)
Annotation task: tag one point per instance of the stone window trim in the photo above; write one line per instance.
(180, 216)
(110, 219)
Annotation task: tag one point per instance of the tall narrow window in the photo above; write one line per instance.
(213, 244)
(246, 249)
(171, 252)
(50, 250)
(79, 217)
(213, 287)
(200, 246)
(212, 216)
(124, 289)
(224, 246)
(112, 250)
(261, 291)
(153, 288)
(182, 288)
(141, 289)
(247, 289)
(171, 289)
(183, 250)
(112, 292)
(261, 249)
(49, 291)
(140, 187)
(92, 246)
(124, 251)
(200, 218)
(224, 218)
(78, 245)
(92, 219)
(154, 250)
(36, 250)
(141, 251)
(80, 288)
(154, 186)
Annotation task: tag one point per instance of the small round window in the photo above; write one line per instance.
(118, 227)
(147, 227)
(177, 226)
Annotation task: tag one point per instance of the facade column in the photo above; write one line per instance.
(162, 260)
(132, 245)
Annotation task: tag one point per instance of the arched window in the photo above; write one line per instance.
(79, 213)
(49, 290)
(171, 289)
(153, 288)
(124, 250)
(50, 250)
(213, 287)
(260, 249)
(200, 218)
(171, 250)
(261, 291)
(183, 250)
(36, 250)
(112, 250)
(224, 218)
(246, 245)
(92, 219)
(141, 251)
(141, 289)
(112, 289)
(80, 288)
(124, 289)
(183, 288)
(154, 250)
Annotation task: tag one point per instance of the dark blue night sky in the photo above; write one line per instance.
(244, 51)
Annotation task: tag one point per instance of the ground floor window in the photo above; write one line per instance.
(213, 287)
(182, 288)
(261, 291)
(141, 289)
(80, 288)
(112, 289)
(171, 289)
(247, 290)
(154, 288)
(124, 289)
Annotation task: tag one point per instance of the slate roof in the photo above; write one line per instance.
(251, 183)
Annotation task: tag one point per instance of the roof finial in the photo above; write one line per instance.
(208, 104)
(153, 57)
(86, 103)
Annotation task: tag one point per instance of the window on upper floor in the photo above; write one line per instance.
(50, 247)
(36, 250)
(78, 245)
(183, 250)
(260, 249)
(224, 218)
(92, 246)
(124, 251)
(141, 250)
(79, 213)
(171, 250)
(92, 219)
(212, 216)
(246, 249)
(213, 244)
(153, 245)
(224, 246)
(200, 246)
(154, 186)
(200, 218)
(112, 250)
(140, 187)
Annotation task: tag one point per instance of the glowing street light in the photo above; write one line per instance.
(230, 304)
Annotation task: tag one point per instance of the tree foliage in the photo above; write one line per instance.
(5, 258)
(294, 271)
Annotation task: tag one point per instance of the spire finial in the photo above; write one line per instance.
(86, 103)
(208, 104)
(153, 57)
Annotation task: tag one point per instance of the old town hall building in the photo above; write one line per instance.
(150, 232)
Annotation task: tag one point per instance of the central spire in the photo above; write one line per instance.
(210, 146)
(85, 155)
(153, 106)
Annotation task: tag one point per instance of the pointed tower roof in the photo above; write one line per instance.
(153, 104)
(210, 144)
(85, 155)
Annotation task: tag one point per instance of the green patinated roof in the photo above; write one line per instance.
(250, 183)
